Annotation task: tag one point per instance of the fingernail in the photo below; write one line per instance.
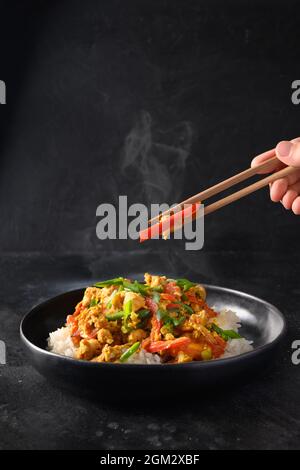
(284, 148)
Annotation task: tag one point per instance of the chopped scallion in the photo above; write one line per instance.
(129, 352)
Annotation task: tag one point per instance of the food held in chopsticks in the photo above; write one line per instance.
(159, 321)
(170, 222)
(192, 204)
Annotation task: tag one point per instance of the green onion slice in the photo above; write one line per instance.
(94, 302)
(186, 307)
(185, 284)
(115, 316)
(225, 334)
(144, 313)
(129, 352)
(156, 297)
(117, 281)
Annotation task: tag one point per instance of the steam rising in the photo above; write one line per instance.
(158, 159)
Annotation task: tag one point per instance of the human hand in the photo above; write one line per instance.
(286, 190)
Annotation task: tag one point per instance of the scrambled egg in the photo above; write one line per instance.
(163, 316)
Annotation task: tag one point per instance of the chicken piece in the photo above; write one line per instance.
(88, 349)
(154, 281)
(106, 293)
(85, 323)
(169, 337)
(138, 300)
(104, 336)
(183, 357)
(166, 332)
(89, 294)
(117, 300)
(110, 353)
(186, 326)
(136, 335)
(198, 290)
(201, 291)
(199, 318)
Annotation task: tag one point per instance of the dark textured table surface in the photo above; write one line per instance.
(262, 413)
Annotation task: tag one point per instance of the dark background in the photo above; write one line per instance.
(153, 99)
(156, 100)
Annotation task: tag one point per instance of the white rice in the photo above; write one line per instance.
(143, 357)
(60, 342)
(235, 347)
(228, 320)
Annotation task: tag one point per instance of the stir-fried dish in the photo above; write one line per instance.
(170, 318)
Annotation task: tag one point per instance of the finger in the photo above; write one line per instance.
(278, 189)
(291, 179)
(264, 157)
(289, 198)
(296, 206)
(289, 152)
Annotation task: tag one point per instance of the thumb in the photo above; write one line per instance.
(289, 152)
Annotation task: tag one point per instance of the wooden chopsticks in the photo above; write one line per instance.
(248, 190)
(222, 186)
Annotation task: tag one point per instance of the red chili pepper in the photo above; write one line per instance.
(173, 345)
(217, 344)
(146, 343)
(75, 331)
(76, 340)
(93, 334)
(153, 307)
(210, 312)
(194, 300)
(173, 289)
(78, 309)
(169, 297)
(156, 323)
(71, 318)
(169, 223)
(155, 330)
(171, 306)
(151, 232)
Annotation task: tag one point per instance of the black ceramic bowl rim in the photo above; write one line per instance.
(202, 364)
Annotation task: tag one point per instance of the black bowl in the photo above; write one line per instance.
(261, 322)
